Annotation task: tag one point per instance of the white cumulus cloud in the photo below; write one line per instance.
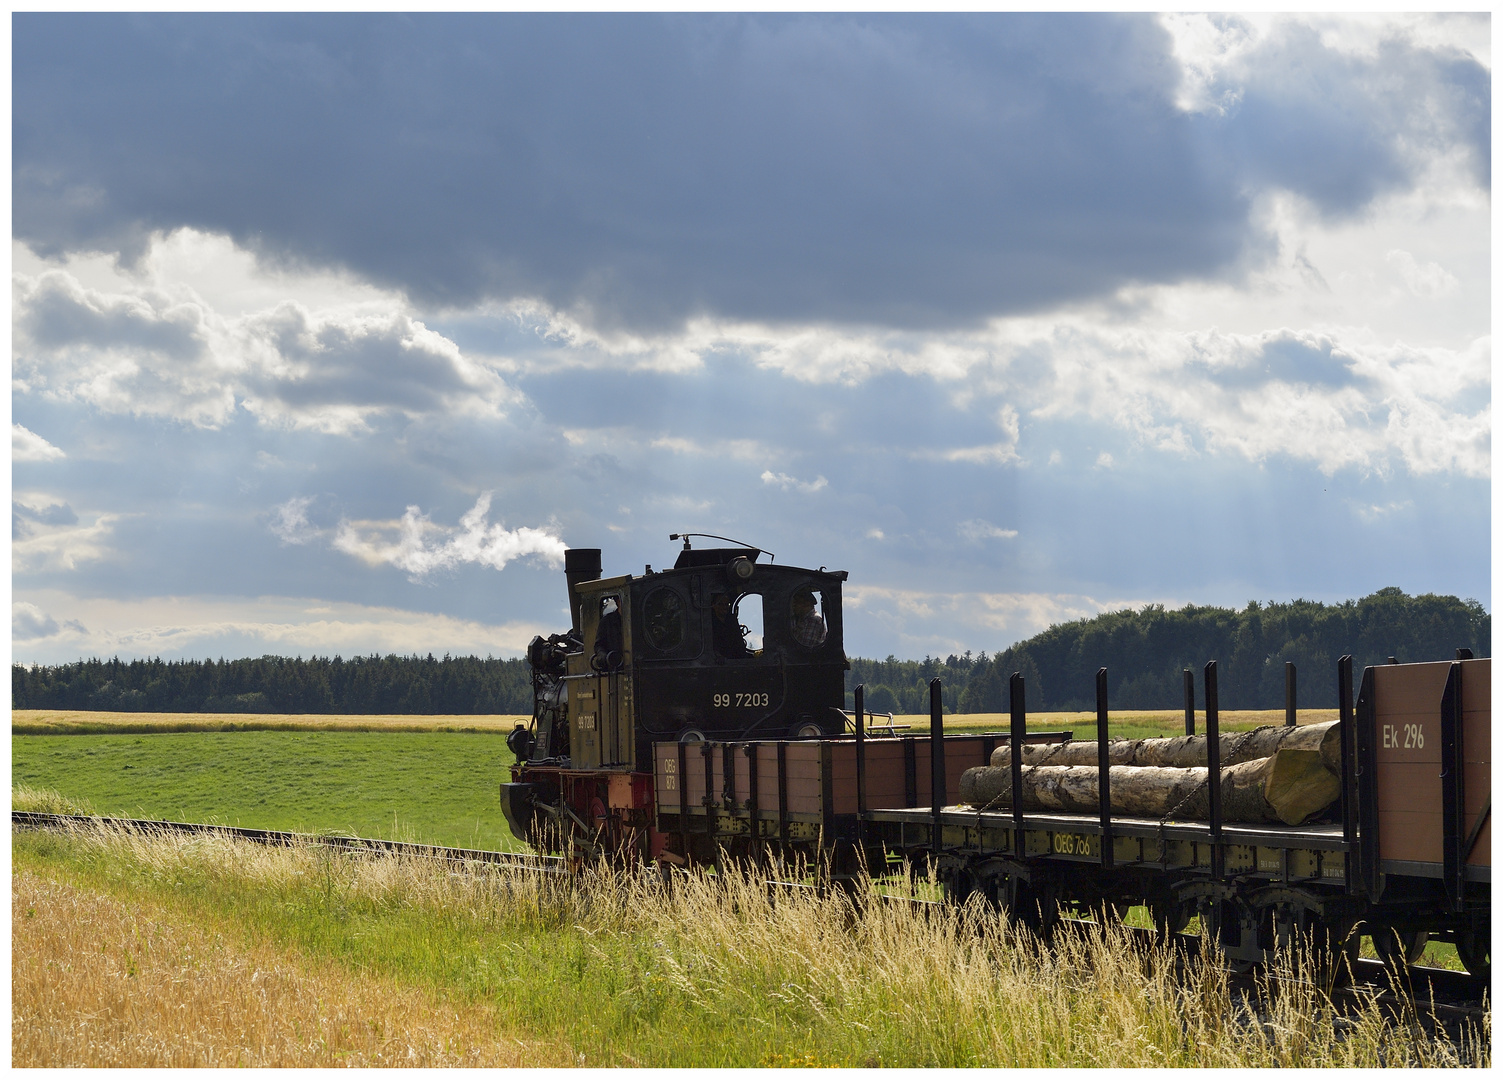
(27, 445)
(941, 622)
(153, 346)
(421, 547)
(51, 626)
(793, 483)
(290, 521)
(27, 621)
(47, 534)
(1422, 279)
(977, 530)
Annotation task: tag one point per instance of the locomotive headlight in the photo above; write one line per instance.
(741, 568)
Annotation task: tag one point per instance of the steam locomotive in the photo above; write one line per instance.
(722, 646)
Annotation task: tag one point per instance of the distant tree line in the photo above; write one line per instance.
(1144, 651)
(413, 685)
(902, 686)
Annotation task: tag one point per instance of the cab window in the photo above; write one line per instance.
(749, 615)
(610, 641)
(736, 624)
(664, 620)
(806, 618)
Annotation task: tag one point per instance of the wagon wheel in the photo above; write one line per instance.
(1033, 906)
(1213, 915)
(1109, 912)
(1473, 946)
(1328, 943)
(1170, 917)
(1399, 948)
(1338, 945)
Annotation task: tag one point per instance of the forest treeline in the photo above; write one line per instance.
(1145, 652)
(363, 685)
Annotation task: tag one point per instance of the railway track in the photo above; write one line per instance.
(1451, 998)
(551, 863)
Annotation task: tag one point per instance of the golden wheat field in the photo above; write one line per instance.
(99, 983)
(76, 722)
(1156, 721)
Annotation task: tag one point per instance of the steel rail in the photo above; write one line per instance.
(354, 844)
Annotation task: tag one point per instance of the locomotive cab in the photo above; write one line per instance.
(722, 646)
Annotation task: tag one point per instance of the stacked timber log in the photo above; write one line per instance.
(1268, 774)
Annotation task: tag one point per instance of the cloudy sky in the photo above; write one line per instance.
(330, 333)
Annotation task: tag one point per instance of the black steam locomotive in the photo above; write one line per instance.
(724, 646)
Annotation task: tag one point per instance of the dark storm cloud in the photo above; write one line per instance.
(641, 169)
(1340, 129)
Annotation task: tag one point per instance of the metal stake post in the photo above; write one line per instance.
(861, 761)
(1189, 702)
(1103, 770)
(936, 761)
(1289, 714)
(1213, 766)
(1016, 733)
(1348, 723)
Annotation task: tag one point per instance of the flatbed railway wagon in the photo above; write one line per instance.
(1404, 855)
(695, 714)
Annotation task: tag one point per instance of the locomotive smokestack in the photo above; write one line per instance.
(580, 564)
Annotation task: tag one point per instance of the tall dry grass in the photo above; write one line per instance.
(630, 968)
(96, 982)
(46, 801)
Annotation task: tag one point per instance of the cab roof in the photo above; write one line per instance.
(691, 557)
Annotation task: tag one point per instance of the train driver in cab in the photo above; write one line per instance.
(725, 631)
(807, 625)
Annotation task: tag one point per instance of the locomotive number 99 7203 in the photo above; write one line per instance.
(738, 700)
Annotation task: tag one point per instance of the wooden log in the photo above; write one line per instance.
(1189, 751)
(1288, 786)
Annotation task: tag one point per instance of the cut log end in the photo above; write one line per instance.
(1300, 785)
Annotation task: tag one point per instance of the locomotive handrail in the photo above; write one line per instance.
(891, 728)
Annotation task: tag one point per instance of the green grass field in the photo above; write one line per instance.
(428, 779)
(435, 788)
